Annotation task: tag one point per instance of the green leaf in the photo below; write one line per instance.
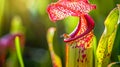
(119, 57)
(1, 13)
(106, 42)
(115, 57)
(16, 25)
(18, 50)
(55, 58)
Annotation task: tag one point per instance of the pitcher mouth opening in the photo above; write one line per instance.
(80, 8)
(85, 26)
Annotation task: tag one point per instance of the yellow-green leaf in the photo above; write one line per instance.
(16, 25)
(1, 13)
(55, 58)
(106, 42)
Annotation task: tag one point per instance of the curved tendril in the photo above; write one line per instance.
(90, 26)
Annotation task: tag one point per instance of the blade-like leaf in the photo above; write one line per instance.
(18, 51)
(115, 57)
(55, 58)
(1, 13)
(16, 25)
(106, 42)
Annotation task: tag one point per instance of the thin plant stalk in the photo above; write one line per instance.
(113, 64)
(1, 13)
(18, 50)
(55, 58)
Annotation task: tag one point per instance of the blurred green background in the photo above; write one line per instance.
(33, 17)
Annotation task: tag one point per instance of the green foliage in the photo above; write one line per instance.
(106, 42)
(16, 25)
(33, 15)
(18, 51)
(55, 58)
(1, 14)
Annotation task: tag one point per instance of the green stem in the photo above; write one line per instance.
(55, 58)
(18, 49)
(1, 14)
